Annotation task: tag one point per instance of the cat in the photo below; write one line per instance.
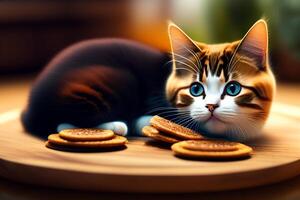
(220, 90)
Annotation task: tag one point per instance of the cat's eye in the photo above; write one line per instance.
(196, 89)
(233, 88)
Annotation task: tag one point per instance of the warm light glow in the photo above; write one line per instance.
(286, 109)
(9, 115)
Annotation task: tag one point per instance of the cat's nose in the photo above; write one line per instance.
(211, 107)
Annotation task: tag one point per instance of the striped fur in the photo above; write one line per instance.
(238, 117)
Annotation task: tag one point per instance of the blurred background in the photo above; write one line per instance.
(33, 31)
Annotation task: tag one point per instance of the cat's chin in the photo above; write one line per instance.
(232, 136)
(220, 129)
(215, 126)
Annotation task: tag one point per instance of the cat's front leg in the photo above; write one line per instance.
(118, 127)
(139, 123)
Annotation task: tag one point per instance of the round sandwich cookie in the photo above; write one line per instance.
(211, 149)
(86, 134)
(80, 149)
(153, 133)
(171, 128)
(210, 145)
(113, 142)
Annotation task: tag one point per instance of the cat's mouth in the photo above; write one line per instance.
(214, 119)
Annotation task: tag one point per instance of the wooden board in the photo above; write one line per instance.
(145, 168)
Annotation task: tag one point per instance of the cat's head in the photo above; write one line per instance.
(227, 89)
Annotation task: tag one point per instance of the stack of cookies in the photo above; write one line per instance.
(166, 131)
(189, 144)
(85, 139)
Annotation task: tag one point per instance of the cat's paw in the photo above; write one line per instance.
(141, 122)
(63, 126)
(118, 127)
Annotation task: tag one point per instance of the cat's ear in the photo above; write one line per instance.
(182, 46)
(254, 45)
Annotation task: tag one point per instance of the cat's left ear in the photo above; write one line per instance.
(182, 45)
(254, 45)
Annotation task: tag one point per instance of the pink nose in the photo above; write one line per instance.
(211, 107)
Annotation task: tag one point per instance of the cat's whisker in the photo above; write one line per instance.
(165, 107)
(183, 121)
(193, 125)
(187, 65)
(179, 114)
(197, 126)
(174, 114)
(197, 59)
(242, 131)
(190, 67)
(178, 68)
(232, 67)
(233, 62)
(188, 124)
(160, 112)
(198, 111)
(171, 112)
(196, 114)
(174, 117)
(162, 107)
(228, 114)
(153, 111)
(168, 110)
(185, 59)
(170, 61)
(193, 53)
(180, 117)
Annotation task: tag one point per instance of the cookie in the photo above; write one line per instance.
(210, 145)
(113, 142)
(211, 149)
(171, 128)
(86, 134)
(80, 149)
(152, 132)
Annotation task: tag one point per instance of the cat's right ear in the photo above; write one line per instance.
(182, 46)
(254, 46)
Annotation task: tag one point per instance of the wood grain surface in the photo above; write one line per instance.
(142, 167)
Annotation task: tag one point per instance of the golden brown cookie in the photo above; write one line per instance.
(80, 149)
(115, 141)
(171, 128)
(86, 134)
(211, 149)
(210, 145)
(156, 135)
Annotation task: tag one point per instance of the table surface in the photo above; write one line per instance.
(13, 94)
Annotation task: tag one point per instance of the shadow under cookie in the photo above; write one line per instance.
(84, 149)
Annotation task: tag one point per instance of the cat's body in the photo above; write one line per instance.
(221, 90)
(93, 82)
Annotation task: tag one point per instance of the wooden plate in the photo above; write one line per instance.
(146, 168)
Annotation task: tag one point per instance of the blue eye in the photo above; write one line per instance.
(196, 89)
(233, 88)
